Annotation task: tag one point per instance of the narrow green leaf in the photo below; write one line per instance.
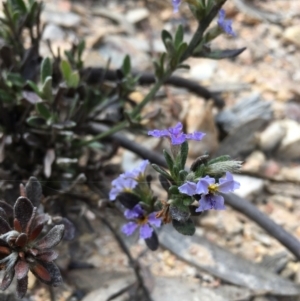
(43, 110)
(167, 39)
(169, 161)
(46, 69)
(47, 89)
(66, 70)
(20, 5)
(219, 159)
(178, 36)
(185, 228)
(73, 80)
(80, 49)
(34, 87)
(162, 172)
(184, 151)
(36, 121)
(126, 67)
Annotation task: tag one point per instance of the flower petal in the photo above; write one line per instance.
(188, 188)
(158, 133)
(129, 228)
(176, 4)
(202, 185)
(135, 212)
(195, 136)
(227, 184)
(211, 201)
(146, 231)
(153, 220)
(177, 139)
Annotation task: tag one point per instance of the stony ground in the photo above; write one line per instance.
(267, 77)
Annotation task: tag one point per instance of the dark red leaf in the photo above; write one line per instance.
(21, 269)
(7, 208)
(21, 240)
(47, 272)
(34, 191)
(3, 214)
(51, 239)
(36, 232)
(22, 285)
(23, 210)
(47, 255)
(4, 250)
(31, 221)
(4, 226)
(17, 225)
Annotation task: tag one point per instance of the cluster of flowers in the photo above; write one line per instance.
(206, 187)
(224, 25)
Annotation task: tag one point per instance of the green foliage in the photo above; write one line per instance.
(185, 228)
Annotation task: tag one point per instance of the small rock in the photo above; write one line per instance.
(285, 201)
(271, 137)
(64, 19)
(53, 32)
(290, 144)
(137, 15)
(254, 162)
(290, 174)
(204, 70)
(249, 185)
(292, 34)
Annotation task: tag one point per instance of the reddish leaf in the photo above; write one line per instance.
(17, 225)
(31, 221)
(23, 210)
(7, 208)
(22, 285)
(47, 255)
(21, 240)
(4, 226)
(36, 232)
(21, 269)
(47, 272)
(3, 214)
(52, 238)
(41, 273)
(4, 250)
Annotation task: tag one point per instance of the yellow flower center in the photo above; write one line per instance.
(213, 188)
(142, 220)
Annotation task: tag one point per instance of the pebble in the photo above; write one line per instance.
(249, 185)
(53, 32)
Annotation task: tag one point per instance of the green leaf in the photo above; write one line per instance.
(36, 121)
(34, 87)
(47, 89)
(219, 54)
(169, 161)
(43, 110)
(66, 70)
(46, 69)
(219, 159)
(182, 175)
(181, 49)
(178, 36)
(73, 80)
(80, 49)
(184, 151)
(6, 97)
(20, 5)
(173, 189)
(162, 172)
(185, 228)
(126, 67)
(166, 38)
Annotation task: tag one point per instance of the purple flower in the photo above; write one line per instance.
(176, 4)
(225, 25)
(140, 219)
(176, 135)
(127, 181)
(208, 188)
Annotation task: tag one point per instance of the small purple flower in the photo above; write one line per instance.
(176, 135)
(225, 25)
(176, 4)
(209, 191)
(127, 181)
(140, 219)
